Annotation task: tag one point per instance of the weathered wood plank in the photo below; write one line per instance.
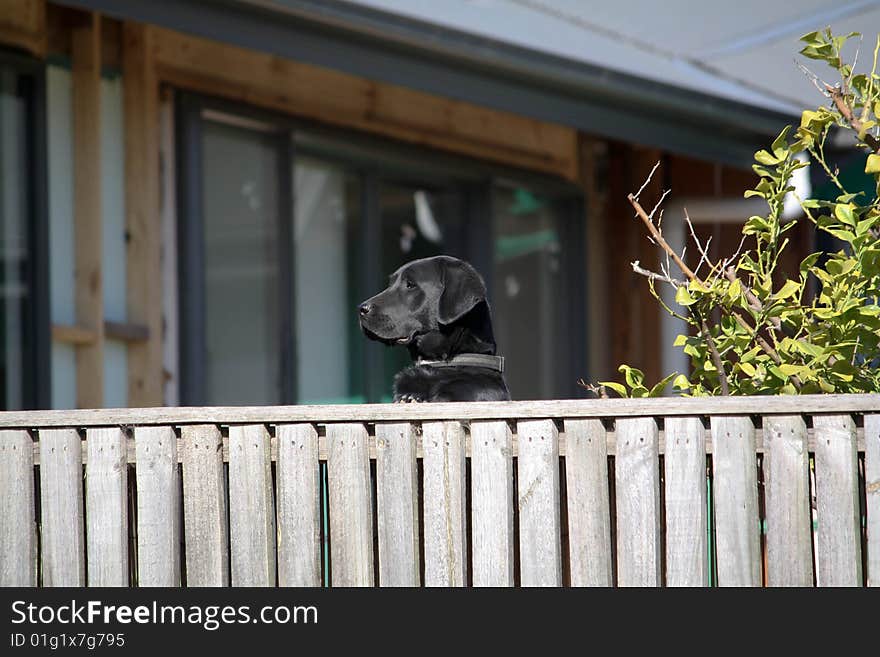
(106, 508)
(299, 506)
(589, 516)
(445, 499)
(351, 511)
(687, 556)
(492, 504)
(789, 536)
(516, 410)
(251, 506)
(872, 495)
(204, 506)
(637, 477)
(61, 508)
(540, 549)
(17, 525)
(735, 479)
(88, 217)
(397, 505)
(837, 498)
(142, 224)
(158, 504)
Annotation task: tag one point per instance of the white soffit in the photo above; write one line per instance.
(743, 50)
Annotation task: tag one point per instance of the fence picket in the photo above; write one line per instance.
(735, 493)
(204, 506)
(158, 506)
(589, 517)
(61, 507)
(789, 536)
(251, 506)
(492, 503)
(872, 495)
(540, 549)
(837, 498)
(687, 556)
(397, 504)
(351, 511)
(445, 498)
(106, 507)
(637, 477)
(18, 551)
(299, 506)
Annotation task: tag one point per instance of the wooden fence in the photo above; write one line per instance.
(676, 492)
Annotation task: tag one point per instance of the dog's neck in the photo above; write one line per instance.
(445, 344)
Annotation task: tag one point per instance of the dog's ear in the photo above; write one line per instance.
(463, 289)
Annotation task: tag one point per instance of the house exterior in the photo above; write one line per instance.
(196, 195)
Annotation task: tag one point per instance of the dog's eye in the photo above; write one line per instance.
(408, 284)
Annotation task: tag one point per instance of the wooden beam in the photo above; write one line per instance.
(73, 335)
(133, 334)
(346, 100)
(23, 25)
(143, 224)
(86, 65)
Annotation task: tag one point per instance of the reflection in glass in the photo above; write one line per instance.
(526, 284)
(241, 267)
(13, 241)
(328, 343)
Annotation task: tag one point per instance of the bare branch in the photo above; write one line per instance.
(813, 78)
(654, 276)
(716, 358)
(647, 180)
(640, 212)
(855, 123)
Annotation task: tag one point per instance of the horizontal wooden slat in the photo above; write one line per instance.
(610, 444)
(520, 410)
(126, 332)
(75, 335)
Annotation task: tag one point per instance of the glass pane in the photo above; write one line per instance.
(417, 222)
(242, 318)
(526, 284)
(13, 241)
(328, 342)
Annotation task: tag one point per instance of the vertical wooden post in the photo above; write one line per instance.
(142, 221)
(86, 48)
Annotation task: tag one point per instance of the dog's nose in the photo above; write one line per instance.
(365, 309)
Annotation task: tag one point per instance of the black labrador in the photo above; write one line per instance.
(437, 307)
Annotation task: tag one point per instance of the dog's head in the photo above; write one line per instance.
(435, 306)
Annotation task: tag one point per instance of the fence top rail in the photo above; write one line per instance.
(518, 410)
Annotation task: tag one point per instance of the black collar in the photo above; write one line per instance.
(472, 360)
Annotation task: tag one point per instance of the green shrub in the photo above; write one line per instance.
(755, 333)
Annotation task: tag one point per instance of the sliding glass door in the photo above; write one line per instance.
(282, 233)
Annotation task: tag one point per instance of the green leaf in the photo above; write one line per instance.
(873, 164)
(790, 288)
(660, 386)
(748, 368)
(765, 158)
(616, 387)
(683, 297)
(844, 212)
(634, 377)
(680, 340)
(681, 382)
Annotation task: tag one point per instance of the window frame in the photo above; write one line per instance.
(400, 163)
(37, 369)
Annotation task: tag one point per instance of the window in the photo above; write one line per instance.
(24, 336)
(284, 228)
